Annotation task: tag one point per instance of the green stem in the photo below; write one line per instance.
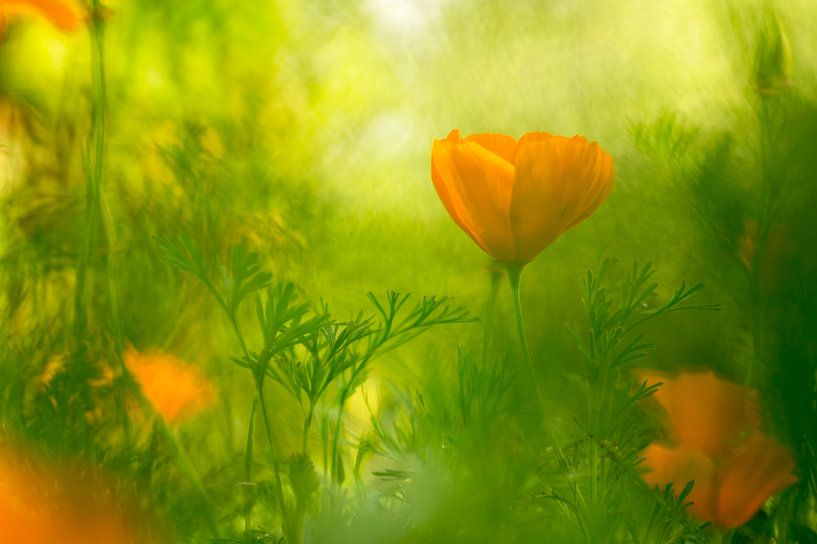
(335, 462)
(82, 267)
(231, 313)
(258, 377)
(184, 461)
(757, 324)
(598, 408)
(279, 486)
(514, 274)
(119, 338)
(488, 322)
(183, 457)
(248, 454)
(345, 393)
(94, 164)
(307, 425)
(95, 205)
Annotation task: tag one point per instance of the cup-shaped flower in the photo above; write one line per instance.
(713, 427)
(514, 198)
(59, 13)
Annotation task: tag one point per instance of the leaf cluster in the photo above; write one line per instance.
(616, 312)
(601, 470)
(304, 349)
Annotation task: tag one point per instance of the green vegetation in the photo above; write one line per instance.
(245, 186)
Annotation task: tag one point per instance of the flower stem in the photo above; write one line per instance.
(94, 158)
(98, 214)
(488, 321)
(335, 466)
(286, 524)
(259, 375)
(514, 274)
(248, 452)
(307, 425)
(182, 457)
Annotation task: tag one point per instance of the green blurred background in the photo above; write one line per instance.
(302, 129)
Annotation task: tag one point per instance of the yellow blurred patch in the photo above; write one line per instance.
(360, 407)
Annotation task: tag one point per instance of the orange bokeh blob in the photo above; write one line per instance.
(174, 388)
(43, 504)
(60, 13)
(715, 440)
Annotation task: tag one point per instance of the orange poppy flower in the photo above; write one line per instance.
(714, 427)
(172, 387)
(39, 504)
(514, 198)
(59, 13)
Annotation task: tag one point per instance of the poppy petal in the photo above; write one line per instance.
(601, 173)
(679, 467)
(761, 468)
(559, 182)
(452, 203)
(59, 13)
(498, 144)
(475, 186)
(706, 412)
(531, 137)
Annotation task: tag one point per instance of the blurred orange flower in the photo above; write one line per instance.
(714, 427)
(39, 504)
(515, 198)
(59, 13)
(174, 388)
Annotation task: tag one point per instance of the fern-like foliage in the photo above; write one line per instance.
(590, 479)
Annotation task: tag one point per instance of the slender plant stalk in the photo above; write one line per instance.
(184, 461)
(248, 466)
(594, 506)
(95, 205)
(95, 160)
(119, 337)
(345, 393)
(307, 425)
(488, 320)
(95, 163)
(335, 462)
(131, 388)
(598, 407)
(514, 274)
(258, 376)
(276, 465)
